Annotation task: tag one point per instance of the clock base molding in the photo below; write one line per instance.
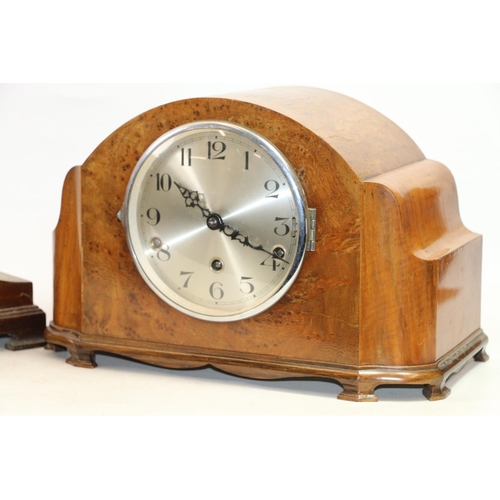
(25, 326)
(19, 318)
(359, 382)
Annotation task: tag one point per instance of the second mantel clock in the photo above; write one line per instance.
(283, 233)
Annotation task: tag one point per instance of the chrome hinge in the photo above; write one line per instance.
(311, 221)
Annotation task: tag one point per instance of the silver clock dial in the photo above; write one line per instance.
(216, 221)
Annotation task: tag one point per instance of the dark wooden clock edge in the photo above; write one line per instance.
(359, 382)
(25, 325)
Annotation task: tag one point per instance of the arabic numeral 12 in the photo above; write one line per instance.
(215, 150)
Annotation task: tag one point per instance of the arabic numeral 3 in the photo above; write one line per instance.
(284, 229)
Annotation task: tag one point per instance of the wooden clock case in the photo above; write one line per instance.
(20, 319)
(391, 296)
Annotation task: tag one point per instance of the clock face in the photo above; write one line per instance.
(216, 221)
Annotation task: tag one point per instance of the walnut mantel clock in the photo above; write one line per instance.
(284, 233)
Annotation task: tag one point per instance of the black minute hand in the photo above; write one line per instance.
(215, 222)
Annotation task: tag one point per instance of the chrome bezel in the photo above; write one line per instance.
(168, 294)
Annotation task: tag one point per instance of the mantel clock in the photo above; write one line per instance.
(282, 233)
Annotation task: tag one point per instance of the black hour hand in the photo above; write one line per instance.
(192, 199)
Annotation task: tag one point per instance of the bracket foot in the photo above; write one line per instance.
(82, 358)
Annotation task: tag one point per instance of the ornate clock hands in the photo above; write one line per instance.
(215, 222)
(192, 199)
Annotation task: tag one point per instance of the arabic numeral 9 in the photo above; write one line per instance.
(154, 216)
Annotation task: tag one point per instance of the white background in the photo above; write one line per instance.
(45, 130)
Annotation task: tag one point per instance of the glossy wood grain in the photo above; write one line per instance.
(421, 268)
(394, 282)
